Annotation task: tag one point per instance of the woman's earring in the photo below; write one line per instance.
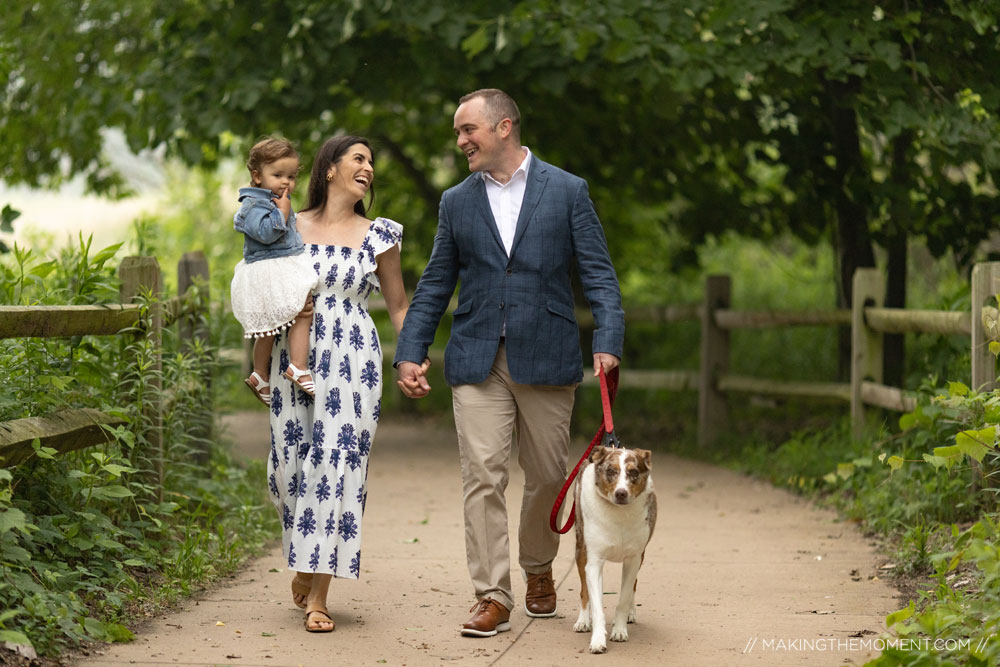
(329, 177)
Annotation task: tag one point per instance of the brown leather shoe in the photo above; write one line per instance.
(540, 598)
(489, 617)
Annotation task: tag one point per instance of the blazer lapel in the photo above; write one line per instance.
(537, 178)
(483, 201)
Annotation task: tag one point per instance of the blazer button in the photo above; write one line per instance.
(510, 271)
(501, 305)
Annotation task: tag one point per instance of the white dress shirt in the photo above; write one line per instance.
(505, 199)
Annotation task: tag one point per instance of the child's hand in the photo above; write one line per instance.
(283, 203)
(307, 309)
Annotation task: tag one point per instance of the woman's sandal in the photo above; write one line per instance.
(316, 627)
(293, 374)
(257, 388)
(300, 589)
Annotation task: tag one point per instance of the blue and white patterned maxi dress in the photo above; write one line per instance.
(318, 467)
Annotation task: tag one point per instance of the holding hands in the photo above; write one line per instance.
(413, 378)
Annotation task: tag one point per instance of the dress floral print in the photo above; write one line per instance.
(318, 467)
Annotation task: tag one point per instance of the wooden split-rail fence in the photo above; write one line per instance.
(868, 320)
(76, 428)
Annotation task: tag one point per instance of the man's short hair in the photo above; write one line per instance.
(499, 105)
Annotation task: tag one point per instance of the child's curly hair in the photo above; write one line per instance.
(268, 150)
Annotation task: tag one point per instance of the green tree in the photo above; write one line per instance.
(862, 123)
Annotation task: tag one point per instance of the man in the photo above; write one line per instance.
(511, 233)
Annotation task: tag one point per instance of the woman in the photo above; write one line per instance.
(318, 467)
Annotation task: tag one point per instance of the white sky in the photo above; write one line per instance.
(64, 213)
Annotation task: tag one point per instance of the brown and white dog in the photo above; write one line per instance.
(615, 517)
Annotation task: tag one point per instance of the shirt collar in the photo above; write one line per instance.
(522, 169)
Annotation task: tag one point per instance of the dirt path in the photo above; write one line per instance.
(738, 573)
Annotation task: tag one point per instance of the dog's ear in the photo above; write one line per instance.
(645, 456)
(597, 454)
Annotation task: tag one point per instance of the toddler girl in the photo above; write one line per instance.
(273, 284)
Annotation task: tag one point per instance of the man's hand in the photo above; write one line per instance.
(608, 361)
(283, 203)
(413, 378)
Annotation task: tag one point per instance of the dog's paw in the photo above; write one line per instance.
(619, 634)
(582, 626)
(598, 640)
(632, 618)
(598, 647)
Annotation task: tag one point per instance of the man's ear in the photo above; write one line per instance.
(505, 127)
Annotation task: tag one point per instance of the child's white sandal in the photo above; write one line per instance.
(260, 386)
(293, 374)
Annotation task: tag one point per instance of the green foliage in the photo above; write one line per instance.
(196, 213)
(7, 217)
(86, 540)
(959, 618)
(783, 274)
(73, 367)
(780, 274)
(967, 418)
(688, 119)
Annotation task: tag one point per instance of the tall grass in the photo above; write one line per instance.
(85, 539)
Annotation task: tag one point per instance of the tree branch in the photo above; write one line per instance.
(425, 188)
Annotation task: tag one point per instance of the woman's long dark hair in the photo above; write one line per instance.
(329, 154)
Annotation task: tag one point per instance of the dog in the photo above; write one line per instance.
(615, 517)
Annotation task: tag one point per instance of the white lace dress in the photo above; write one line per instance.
(318, 466)
(269, 293)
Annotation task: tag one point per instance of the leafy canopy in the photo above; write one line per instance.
(719, 114)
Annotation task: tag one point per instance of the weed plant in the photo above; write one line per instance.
(90, 542)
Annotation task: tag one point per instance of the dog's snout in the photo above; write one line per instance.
(621, 495)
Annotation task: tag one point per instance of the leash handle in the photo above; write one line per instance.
(609, 388)
(607, 398)
(609, 424)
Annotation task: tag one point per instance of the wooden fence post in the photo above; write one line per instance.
(868, 289)
(985, 286)
(713, 410)
(192, 267)
(138, 274)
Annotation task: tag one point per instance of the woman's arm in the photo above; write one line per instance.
(390, 277)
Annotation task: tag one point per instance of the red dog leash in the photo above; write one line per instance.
(609, 387)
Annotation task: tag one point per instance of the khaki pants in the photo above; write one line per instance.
(487, 415)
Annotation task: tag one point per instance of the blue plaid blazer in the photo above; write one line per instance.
(530, 290)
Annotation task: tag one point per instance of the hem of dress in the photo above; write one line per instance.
(333, 574)
(272, 332)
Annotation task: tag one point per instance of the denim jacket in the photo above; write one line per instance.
(266, 233)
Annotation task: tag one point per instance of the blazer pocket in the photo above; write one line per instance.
(561, 309)
(462, 308)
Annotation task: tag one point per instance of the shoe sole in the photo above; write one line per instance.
(260, 397)
(501, 627)
(534, 614)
